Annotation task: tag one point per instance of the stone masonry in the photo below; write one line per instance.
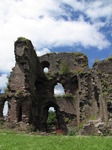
(88, 92)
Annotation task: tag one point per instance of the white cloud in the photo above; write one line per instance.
(37, 20)
(43, 51)
(99, 9)
(93, 9)
(3, 80)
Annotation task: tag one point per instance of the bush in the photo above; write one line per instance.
(1, 123)
(71, 132)
(51, 117)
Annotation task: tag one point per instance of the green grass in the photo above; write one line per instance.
(21, 141)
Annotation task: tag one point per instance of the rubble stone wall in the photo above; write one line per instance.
(88, 92)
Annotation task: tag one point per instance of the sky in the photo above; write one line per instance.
(55, 26)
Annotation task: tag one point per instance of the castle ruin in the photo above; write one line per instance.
(88, 92)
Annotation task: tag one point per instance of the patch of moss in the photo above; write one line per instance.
(104, 93)
(96, 61)
(26, 47)
(22, 39)
(68, 95)
(19, 92)
(107, 59)
(64, 69)
(77, 54)
(92, 117)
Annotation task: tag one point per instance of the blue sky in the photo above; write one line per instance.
(55, 26)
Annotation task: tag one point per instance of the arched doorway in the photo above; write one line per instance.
(50, 117)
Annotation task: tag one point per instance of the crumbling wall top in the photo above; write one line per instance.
(58, 62)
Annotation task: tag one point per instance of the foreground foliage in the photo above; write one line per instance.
(16, 141)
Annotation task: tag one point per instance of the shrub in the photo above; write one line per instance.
(31, 128)
(96, 60)
(51, 117)
(71, 132)
(1, 123)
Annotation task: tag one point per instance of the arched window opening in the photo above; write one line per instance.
(45, 66)
(5, 109)
(73, 86)
(59, 90)
(46, 70)
(20, 113)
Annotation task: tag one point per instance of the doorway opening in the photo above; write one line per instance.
(50, 117)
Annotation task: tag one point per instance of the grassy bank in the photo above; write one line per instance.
(21, 141)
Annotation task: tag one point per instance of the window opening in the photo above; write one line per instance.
(46, 70)
(5, 109)
(59, 90)
(20, 114)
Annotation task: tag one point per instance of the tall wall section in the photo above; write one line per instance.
(102, 75)
(21, 87)
(71, 70)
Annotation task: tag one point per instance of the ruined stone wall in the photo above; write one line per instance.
(102, 74)
(88, 92)
(27, 60)
(71, 70)
(73, 62)
(22, 82)
(2, 101)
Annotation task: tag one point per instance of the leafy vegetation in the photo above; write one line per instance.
(16, 141)
(72, 132)
(51, 117)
